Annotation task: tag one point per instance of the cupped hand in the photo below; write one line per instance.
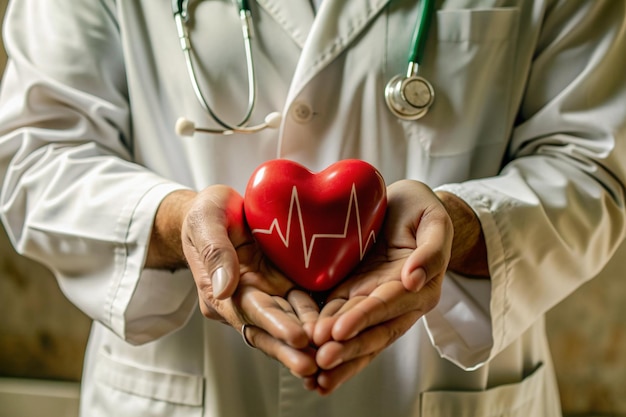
(236, 284)
(396, 284)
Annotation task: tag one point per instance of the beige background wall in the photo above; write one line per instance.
(43, 336)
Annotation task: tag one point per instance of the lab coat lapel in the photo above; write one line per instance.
(294, 16)
(338, 23)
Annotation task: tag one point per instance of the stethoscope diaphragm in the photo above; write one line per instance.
(409, 98)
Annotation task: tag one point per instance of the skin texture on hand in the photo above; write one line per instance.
(398, 282)
(469, 250)
(165, 250)
(424, 235)
(215, 243)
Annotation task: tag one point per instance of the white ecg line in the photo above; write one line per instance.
(308, 249)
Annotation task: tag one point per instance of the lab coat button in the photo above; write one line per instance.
(301, 112)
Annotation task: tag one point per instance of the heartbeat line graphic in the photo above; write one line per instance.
(308, 248)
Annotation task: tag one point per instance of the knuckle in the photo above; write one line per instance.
(433, 296)
(433, 301)
(205, 293)
(212, 252)
(394, 333)
(400, 326)
(208, 310)
(439, 262)
(358, 350)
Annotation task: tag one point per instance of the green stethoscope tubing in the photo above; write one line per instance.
(420, 34)
(408, 97)
(184, 126)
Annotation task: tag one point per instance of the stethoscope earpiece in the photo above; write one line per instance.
(185, 127)
(273, 120)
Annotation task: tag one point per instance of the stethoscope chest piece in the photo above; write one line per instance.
(409, 98)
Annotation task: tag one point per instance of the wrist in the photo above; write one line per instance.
(165, 247)
(469, 250)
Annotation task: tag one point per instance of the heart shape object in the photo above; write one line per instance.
(315, 227)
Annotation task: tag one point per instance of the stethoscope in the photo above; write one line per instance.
(408, 97)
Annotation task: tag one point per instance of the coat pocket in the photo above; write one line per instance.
(522, 399)
(124, 389)
(471, 66)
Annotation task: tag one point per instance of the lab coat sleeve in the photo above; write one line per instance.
(555, 214)
(72, 198)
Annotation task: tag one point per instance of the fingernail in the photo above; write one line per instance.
(419, 279)
(219, 280)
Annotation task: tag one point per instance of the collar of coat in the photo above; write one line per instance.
(323, 38)
(338, 23)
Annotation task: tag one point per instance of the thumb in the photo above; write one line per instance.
(212, 229)
(430, 258)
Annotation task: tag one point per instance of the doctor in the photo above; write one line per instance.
(505, 196)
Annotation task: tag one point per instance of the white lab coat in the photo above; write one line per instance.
(527, 127)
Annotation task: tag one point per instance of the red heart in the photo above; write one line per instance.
(315, 227)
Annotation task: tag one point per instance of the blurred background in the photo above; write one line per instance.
(43, 337)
